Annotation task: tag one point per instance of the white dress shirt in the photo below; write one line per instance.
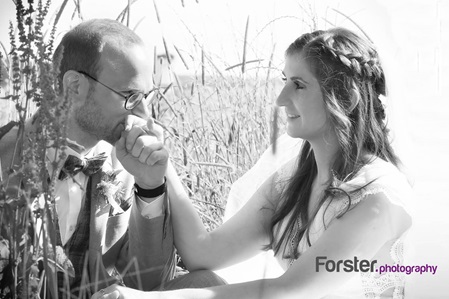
(69, 196)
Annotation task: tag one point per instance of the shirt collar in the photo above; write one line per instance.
(52, 156)
(102, 146)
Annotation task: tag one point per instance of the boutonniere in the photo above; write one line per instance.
(111, 189)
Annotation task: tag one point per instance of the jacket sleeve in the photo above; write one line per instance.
(148, 254)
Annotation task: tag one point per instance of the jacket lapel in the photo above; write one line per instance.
(99, 247)
(98, 221)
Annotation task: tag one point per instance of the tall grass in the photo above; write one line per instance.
(219, 131)
(217, 123)
(30, 85)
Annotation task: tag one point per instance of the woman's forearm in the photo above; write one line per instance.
(191, 237)
(239, 238)
(258, 289)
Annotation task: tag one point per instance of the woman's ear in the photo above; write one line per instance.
(75, 85)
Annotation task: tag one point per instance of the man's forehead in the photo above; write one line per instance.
(117, 57)
(128, 67)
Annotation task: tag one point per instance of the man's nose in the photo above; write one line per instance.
(141, 110)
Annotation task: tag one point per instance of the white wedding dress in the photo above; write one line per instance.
(386, 179)
(389, 180)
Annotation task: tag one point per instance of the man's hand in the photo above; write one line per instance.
(142, 153)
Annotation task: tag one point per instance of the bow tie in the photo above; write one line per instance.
(73, 165)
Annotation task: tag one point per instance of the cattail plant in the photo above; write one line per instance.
(29, 252)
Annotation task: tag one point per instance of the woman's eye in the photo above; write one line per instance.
(284, 79)
(299, 85)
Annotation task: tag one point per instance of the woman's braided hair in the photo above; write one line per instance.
(351, 79)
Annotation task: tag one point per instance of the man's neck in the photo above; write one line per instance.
(78, 140)
(82, 142)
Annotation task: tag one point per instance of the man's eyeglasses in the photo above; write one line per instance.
(132, 100)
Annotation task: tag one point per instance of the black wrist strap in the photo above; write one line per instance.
(151, 193)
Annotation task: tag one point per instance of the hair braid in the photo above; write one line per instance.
(362, 66)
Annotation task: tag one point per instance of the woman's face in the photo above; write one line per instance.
(303, 101)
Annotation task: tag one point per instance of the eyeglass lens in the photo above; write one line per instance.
(134, 100)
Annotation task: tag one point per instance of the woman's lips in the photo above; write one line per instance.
(292, 116)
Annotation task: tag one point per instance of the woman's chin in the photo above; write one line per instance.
(293, 132)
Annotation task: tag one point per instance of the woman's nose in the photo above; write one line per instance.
(283, 97)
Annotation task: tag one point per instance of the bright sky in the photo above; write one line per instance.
(219, 26)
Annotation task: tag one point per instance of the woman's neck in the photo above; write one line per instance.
(325, 154)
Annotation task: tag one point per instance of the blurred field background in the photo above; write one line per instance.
(219, 64)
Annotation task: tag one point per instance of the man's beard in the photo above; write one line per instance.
(92, 121)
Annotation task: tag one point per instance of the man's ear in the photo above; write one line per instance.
(75, 85)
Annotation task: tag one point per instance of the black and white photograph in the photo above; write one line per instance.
(241, 149)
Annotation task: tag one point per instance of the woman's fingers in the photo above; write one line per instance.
(110, 292)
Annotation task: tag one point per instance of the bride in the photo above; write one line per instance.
(332, 216)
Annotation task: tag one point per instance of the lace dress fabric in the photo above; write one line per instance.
(386, 179)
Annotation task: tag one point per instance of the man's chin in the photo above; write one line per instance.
(116, 134)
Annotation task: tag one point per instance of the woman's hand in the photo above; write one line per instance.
(119, 292)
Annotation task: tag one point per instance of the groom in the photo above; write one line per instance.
(110, 215)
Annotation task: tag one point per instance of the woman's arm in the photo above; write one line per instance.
(239, 238)
(360, 233)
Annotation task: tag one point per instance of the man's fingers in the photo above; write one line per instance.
(141, 143)
(133, 135)
(150, 124)
(120, 144)
(158, 156)
(132, 121)
(136, 127)
(142, 140)
(149, 151)
(137, 147)
(155, 129)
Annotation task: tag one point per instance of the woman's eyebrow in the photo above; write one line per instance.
(297, 78)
